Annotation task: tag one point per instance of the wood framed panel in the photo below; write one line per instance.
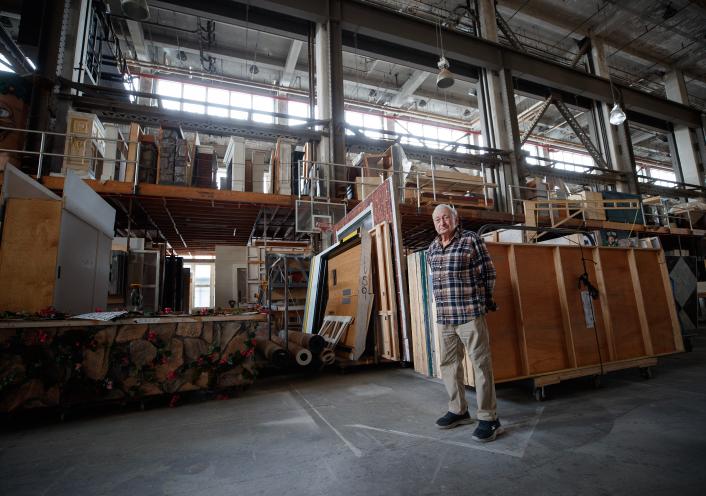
(30, 246)
(584, 339)
(505, 340)
(619, 293)
(343, 273)
(540, 305)
(659, 306)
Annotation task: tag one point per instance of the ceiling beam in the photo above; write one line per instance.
(409, 87)
(388, 27)
(291, 63)
(137, 36)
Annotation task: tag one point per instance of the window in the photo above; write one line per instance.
(172, 90)
(219, 97)
(194, 92)
(202, 284)
(571, 161)
(665, 176)
(533, 151)
(263, 104)
(355, 119)
(297, 109)
(242, 101)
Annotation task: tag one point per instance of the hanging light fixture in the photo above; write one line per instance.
(617, 116)
(137, 10)
(445, 78)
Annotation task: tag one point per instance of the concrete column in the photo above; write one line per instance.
(53, 57)
(281, 108)
(685, 139)
(612, 140)
(338, 117)
(329, 95)
(323, 101)
(496, 103)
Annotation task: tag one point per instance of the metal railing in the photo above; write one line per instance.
(42, 153)
(652, 213)
(313, 180)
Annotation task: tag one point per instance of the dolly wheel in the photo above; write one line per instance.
(540, 393)
(646, 372)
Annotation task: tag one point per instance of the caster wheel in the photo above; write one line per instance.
(540, 394)
(646, 373)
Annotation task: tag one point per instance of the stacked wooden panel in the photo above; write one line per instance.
(545, 327)
(386, 292)
(174, 157)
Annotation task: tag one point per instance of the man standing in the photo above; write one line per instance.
(463, 279)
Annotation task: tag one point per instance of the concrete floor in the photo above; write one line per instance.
(372, 433)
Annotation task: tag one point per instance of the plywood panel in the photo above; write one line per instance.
(620, 295)
(29, 251)
(541, 312)
(343, 273)
(657, 302)
(504, 335)
(586, 346)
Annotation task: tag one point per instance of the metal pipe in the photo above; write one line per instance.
(41, 156)
(433, 178)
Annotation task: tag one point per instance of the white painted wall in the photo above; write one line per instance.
(228, 257)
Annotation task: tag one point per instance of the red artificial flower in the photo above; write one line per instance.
(200, 361)
(254, 341)
(171, 375)
(168, 310)
(173, 402)
(47, 312)
(151, 336)
(43, 337)
(223, 361)
(98, 309)
(222, 397)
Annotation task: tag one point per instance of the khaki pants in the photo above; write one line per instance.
(473, 336)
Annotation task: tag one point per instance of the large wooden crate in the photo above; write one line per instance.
(541, 328)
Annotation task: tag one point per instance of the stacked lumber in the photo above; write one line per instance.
(547, 327)
(385, 292)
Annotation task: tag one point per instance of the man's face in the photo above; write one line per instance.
(444, 222)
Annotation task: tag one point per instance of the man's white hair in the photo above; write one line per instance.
(443, 206)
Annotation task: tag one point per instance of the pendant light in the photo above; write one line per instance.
(617, 115)
(445, 78)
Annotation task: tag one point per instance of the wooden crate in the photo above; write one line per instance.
(366, 185)
(541, 330)
(594, 204)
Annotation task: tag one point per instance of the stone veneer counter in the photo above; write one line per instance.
(61, 363)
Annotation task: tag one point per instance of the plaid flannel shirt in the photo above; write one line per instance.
(463, 277)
